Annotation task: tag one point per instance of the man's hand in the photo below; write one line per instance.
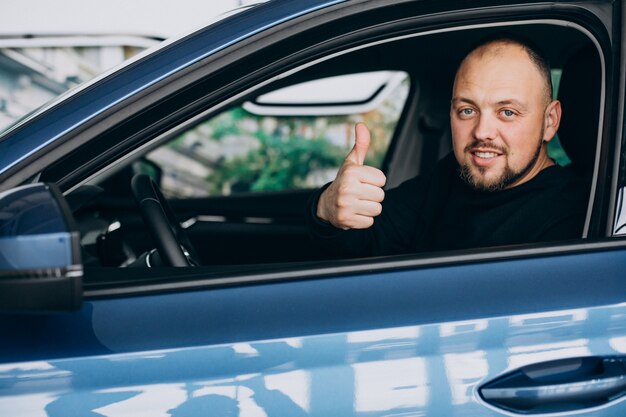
(353, 199)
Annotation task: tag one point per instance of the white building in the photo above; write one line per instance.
(47, 47)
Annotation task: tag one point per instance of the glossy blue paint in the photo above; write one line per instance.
(34, 233)
(52, 250)
(95, 98)
(328, 305)
(390, 371)
(354, 345)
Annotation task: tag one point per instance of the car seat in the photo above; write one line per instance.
(579, 93)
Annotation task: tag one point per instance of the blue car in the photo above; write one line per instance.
(154, 257)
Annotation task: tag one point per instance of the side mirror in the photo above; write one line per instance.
(40, 266)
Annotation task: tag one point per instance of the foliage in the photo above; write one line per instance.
(280, 163)
(237, 151)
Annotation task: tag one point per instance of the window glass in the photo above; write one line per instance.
(259, 147)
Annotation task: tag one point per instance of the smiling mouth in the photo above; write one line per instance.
(485, 154)
(484, 158)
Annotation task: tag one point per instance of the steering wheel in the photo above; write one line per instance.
(171, 240)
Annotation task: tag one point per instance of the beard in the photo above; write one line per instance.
(509, 176)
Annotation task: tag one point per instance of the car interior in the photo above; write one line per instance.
(267, 227)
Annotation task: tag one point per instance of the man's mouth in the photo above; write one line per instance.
(486, 154)
(485, 157)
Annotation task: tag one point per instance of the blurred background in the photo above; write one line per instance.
(50, 46)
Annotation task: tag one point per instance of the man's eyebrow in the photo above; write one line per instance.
(512, 102)
(459, 100)
(506, 102)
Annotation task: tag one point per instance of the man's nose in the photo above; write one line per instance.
(485, 128)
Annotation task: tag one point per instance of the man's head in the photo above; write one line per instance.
(502, 114)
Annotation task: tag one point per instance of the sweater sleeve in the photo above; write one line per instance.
(405, 225)
(393, 232)
(351, 243)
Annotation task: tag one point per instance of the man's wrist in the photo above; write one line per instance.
(320, 213)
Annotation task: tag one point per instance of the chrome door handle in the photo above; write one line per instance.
(558, 386)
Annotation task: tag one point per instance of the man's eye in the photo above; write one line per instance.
(508, 113)
(467, 112)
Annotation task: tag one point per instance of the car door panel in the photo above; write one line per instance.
(419, 341)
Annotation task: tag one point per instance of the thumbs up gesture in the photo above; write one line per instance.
(354, 197)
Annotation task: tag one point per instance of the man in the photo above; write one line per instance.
(498, 187)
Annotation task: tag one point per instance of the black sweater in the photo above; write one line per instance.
(441, 212)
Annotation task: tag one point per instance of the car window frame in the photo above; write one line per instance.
(140, 282)
(485, 254)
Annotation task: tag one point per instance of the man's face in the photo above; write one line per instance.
(501, 118)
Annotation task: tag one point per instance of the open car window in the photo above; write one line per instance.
(239, 176)
(293, 138)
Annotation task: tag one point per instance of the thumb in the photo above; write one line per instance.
(361, 144)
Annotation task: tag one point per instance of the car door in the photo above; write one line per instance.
(406, 337)
(532, 329)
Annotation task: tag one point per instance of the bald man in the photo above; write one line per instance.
(497, 187)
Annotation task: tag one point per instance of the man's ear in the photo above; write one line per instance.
(552, 120)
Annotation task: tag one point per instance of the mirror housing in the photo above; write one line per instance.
(40, 266)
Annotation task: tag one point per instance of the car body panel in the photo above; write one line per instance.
(371, 344)
(373, 372)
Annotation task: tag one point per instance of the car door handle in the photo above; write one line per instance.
(558, 386)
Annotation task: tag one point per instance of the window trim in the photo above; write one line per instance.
(168, 280)
(370, 265)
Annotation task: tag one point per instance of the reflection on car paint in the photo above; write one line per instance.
(380, 372)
